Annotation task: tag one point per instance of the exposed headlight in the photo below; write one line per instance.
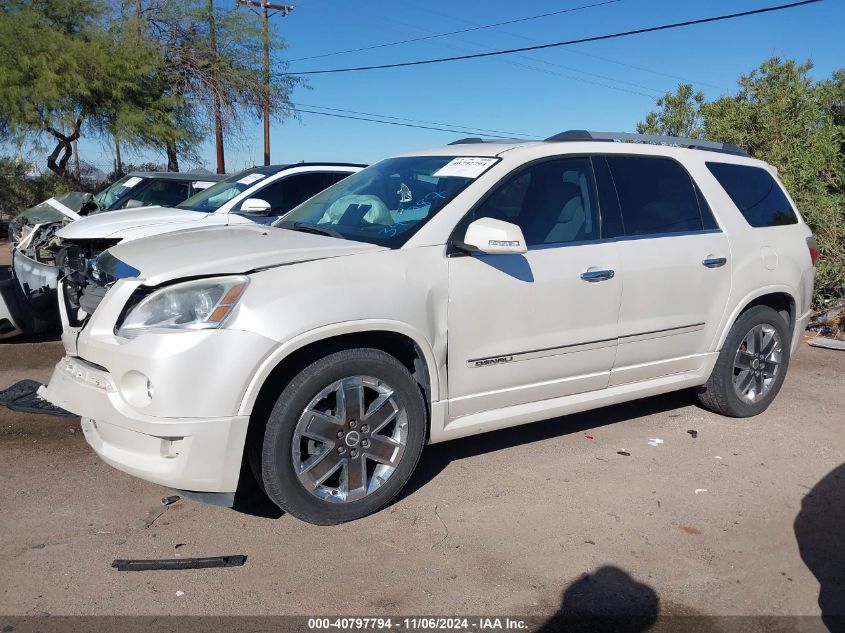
(192, 305)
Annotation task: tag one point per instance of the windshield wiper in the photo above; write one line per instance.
(305, 227)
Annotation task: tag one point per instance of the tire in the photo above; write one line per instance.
(318, 406)
(728, 390)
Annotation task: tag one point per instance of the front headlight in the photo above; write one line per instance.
(192, 305)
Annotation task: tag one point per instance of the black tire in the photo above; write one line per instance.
(276, 465)
(718, 393)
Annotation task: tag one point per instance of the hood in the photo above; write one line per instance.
(228, 250)
(106, 225)
(58, 208)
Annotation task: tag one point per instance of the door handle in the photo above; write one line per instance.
(715, 262)
(597, 275)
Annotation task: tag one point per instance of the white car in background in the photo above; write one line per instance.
(433, 296)
(255, 196)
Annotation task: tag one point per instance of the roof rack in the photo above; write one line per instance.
(470, 140)
(691, 143)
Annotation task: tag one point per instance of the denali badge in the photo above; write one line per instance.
(483, 362)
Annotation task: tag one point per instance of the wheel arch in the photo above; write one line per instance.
(779, 298)
(396, 339)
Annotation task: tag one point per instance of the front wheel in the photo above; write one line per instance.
(343, 438)
(751, 366)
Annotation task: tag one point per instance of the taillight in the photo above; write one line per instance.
(814, 249)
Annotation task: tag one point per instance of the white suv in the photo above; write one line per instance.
(433, 296)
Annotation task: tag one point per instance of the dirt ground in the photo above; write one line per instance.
(744, 519)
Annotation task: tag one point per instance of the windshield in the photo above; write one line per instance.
(113, 192)
(220, 193)
(387, 203)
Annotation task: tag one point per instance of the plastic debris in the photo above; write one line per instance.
(827, 343)
(655, 441)
(26, 396)
(589, 437)
(717, 457)
(700, 490)
(179, 563)
(166, 501)
(622, 451)
(693, 433)
(179, 594)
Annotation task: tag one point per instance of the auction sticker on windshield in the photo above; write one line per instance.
(250, 178)
(465, 167)
(132, 182)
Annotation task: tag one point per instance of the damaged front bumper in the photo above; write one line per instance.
(198, 454)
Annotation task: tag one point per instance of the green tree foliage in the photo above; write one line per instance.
(679, 114)
(783, 117)
(20, 189)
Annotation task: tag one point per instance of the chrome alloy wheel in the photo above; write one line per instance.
(349, 439)
(757, 363)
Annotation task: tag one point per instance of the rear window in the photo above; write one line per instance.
(755, 193)
(656, 195)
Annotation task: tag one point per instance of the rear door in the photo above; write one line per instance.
(677, 269)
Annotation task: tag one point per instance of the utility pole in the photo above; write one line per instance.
(265, 8)
(218, 109)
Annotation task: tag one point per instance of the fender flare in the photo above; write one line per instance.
(285, 349)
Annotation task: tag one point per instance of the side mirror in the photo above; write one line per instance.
(255, 205)
(493, 237)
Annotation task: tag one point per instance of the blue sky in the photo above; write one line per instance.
(607, 85)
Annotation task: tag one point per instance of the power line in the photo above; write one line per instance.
(467, 128)
(397, 123)
(467, 30)
(583, 40)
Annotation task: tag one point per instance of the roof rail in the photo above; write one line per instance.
(474, 139)
(691, 143)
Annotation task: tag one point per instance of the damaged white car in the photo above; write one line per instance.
(255, 196)
(434, 296)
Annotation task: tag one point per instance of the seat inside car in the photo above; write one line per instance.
(554, 207)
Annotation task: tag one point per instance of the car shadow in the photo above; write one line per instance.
(437, 457)
(608, 599)
(820, 532)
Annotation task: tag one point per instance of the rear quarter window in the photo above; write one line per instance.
(755, 193)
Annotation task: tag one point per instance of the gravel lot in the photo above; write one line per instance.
(502, 523)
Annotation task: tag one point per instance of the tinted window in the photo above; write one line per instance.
(656, 195)
(166, 193)
(285, 194)
(755, 193)
(552, 202)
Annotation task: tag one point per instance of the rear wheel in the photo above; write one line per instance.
(343, 438)
(751, 366)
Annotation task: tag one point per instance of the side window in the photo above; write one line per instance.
(656, 195)
(552, 202)
(166, 193)
(755, 193)
(283, 195)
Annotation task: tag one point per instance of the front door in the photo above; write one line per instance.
(541, 325)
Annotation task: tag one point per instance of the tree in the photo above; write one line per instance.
(61, 70)
(679, 114)
(783, 117)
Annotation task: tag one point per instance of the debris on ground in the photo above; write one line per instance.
(25, 396)
(693, 433)
(829, 322)
(589, 437)
(166, 501)
(152, 516)
(624, 452)
(700, 490)
(827, 343)
(654, 441)
(180, 593)
(207, 562)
